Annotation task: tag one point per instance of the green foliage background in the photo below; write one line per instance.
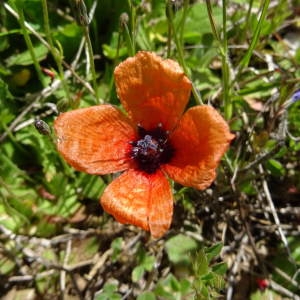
(243, 58)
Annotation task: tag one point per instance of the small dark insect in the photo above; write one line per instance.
(42, 127)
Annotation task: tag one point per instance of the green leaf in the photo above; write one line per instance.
(146, 296)
(137, 273)
(148, 262)
(116, 245)
(25, 59)
(6, 266)
(174, 283)
(208, 277)
(185, 286)
(265, 295)
(109, 293)
(111, 52)
(197, 22)
(297, 55)
(275, 167)
(220, 268)
(4, 92)
(218, 282)
(200, 264)
(92, 186)
(110, 288)
(179, 247)
(213, 251)
(248, 188)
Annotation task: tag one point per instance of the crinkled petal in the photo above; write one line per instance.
(200, 140)
(140, 199)
(152, 90)
(161, 205)
(95, 139)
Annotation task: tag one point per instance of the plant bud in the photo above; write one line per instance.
(172, 6)
(124, 19)
(42, 127)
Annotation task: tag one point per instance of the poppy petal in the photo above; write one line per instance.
(140, 199)
(161, 205)
(152, 90)
(200, 140)
(95, 139)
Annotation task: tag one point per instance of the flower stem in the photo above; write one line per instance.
(55, 53)
(223, 48)
(130, 33)
(82, 20)
(129, 42)
(248, 17)
(169, 41)
(179, 47)
(212, 21)
(246, 59)
(183, 19)
(112, 79)
(91, 59)
(30, 46)
(225, 66)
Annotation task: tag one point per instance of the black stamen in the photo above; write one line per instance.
(151, 149)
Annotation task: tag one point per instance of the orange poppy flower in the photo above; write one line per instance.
(155, 141)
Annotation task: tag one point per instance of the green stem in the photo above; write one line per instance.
(225, 67)
(183, 19)
(181, 56)
(129, 41)
(56, 55)
(223, 48)
(30, 46)
(246, 59)
(91, 59)
(133, 27)
(111, 83)
(131, 32)
(47, 25)
(248, 16)
(169, 44)
(212, 22)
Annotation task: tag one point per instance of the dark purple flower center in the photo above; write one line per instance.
(151, 149)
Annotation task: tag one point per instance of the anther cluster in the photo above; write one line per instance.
(151, 149)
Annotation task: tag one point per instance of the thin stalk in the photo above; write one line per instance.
(243, 33)
(46, 24)
(56, 55)
(183, 19)
(246, 59)
(129, 42)
(212, 22)
(133, 26)
(83, 20)
(169, 41)
(30, 46)
(225, 67)
(181, 56)
(131, 32)
(91, 59)
(118, 47)
(111, 83)
(248, 15)
(223, 48)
